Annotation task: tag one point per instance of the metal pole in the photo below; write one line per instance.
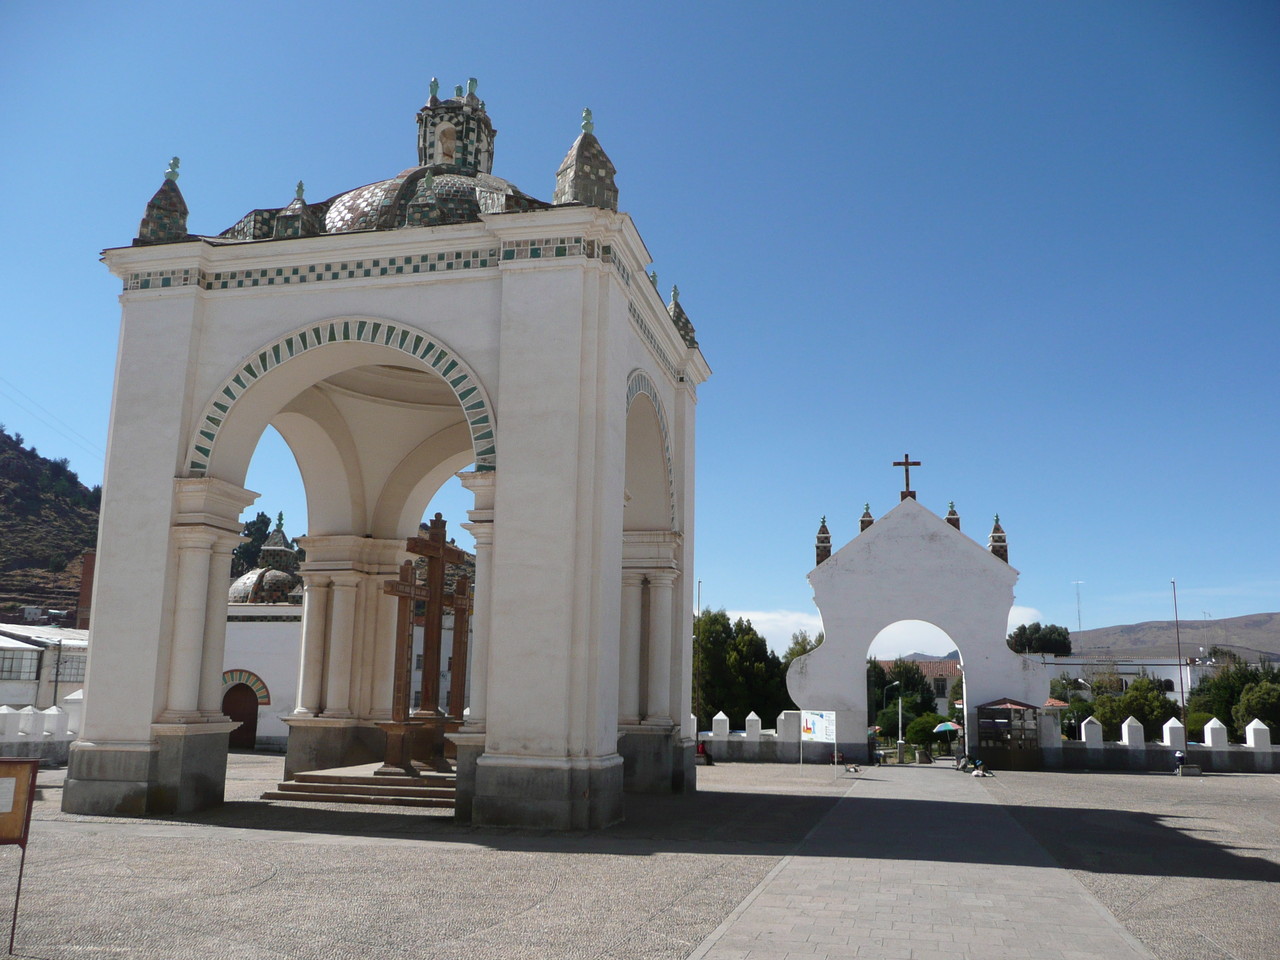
(17, 895)
(57, 671)
(697, 664)
(1182, 689)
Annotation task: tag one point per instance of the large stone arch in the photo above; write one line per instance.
(650, 479)
(911, 565)
(384, 338)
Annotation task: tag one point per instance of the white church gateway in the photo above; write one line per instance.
(912, 564)
(435, 322)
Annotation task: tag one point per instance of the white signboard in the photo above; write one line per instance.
(819, 725)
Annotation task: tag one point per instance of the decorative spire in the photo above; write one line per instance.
(457, 90)
(953, 518)
(165, 219)
(435, 89)
(998, 544)
(586, 174)
(822, 545)
(471, 86)
(280, 520)
(297, 219)
(675, 294)
(866, 520)
(683, 325)
(298, 191)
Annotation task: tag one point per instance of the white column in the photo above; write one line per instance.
(342, 626)
(384, 637)
(629, 652)
(658, 711)
(478, 671)
(195, 545)
(315, 620)
(215, 627)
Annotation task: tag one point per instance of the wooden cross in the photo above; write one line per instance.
(438, 553)
(461, 599)
(906, 463)
(406, 590)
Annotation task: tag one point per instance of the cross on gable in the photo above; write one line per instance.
(906, 463)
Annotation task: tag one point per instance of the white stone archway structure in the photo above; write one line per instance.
(395, 335)
(912, 565)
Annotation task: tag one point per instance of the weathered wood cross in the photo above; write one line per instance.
(406, 590)
(906, 463)
(438, 553)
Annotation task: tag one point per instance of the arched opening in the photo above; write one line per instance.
(356, 436)
(913, 670)
(240, 704)
(446, 143)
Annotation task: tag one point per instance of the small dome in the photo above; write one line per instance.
(264, 585)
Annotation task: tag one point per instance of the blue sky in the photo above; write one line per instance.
(1035, 245)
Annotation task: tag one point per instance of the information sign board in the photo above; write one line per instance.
(818, 725)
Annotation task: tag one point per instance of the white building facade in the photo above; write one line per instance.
(436, 322)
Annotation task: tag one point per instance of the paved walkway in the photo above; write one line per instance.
(919, 864)
(764, 862)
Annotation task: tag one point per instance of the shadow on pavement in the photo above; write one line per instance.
(766, 824)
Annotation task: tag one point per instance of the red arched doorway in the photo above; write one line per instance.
(240, 703)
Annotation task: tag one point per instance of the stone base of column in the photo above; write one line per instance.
(398, 761)
(550, 794)
(469, 747)
(656, 760)
(321, 743)
(184, 769)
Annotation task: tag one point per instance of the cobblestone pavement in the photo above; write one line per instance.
(1188, 866)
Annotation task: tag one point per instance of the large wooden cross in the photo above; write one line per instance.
(406, 590)
(438, 553)
(906, 463)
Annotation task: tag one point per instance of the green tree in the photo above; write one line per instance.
(1034, 638)
(920, 731)
(802, 643)
(887, 720)
(1078, 710)
(735, 672)
(956, 695)
(917, 691)
(1220, 692)
(1259, 701)
(1145, 701)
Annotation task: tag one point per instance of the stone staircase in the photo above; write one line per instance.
(359, 785)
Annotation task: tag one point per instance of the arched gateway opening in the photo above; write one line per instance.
(912, 565)
(394, 335)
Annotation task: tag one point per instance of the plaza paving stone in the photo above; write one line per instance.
(764, 862)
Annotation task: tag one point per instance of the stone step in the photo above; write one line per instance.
(426, 780)
(369, 790)
(299, 796)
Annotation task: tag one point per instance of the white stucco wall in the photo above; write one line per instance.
(912, 565)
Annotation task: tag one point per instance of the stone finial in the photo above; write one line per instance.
(997, 543)
(471, 86)
(653, 278)
(680, 320)
(280, 520)
(953, 518)
(822, 545)
(588, 126)
(457, 90)
(172, 172)
(299, 190)
(435, 89)
(675, 294)
(866, 520)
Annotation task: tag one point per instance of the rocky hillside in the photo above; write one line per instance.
(48, 518)
(1250, 636)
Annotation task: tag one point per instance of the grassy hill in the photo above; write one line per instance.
(1252, 637)
(48, 518)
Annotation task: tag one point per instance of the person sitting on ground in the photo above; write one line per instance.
(1179, 758)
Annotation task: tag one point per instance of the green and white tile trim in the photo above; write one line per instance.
(428, 351)
(638, 383)
(647, 334)
(475, 258)
(254, 682)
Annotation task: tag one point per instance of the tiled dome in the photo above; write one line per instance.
(265, 585)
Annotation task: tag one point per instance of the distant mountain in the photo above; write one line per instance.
(48, 518)
(1251, 636)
